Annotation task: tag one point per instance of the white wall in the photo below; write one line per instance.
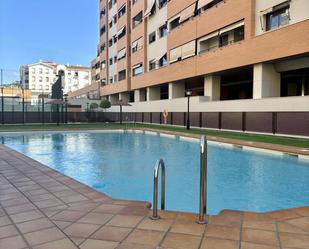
(201, 104)
(299, 11)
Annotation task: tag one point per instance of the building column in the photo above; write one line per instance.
(266, 81)
(137, 95)
(176, 90)
(212, 85)
(153, 93)
(114, 98)
(125, 97)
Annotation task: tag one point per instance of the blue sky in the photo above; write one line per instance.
(65, 31)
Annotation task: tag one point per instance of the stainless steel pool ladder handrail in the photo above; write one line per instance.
(203, 181)
(160, 164)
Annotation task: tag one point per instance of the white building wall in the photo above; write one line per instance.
(154, 22)
(299, 11)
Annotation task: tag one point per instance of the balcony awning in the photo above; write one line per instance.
(202, 3)
(282, 4)
(138, 43)
(175, 54)
(150, 5)
(188, 50)
(120, 31)
(187, 13)
(136, 66)
(231, 27)
(209, 36)
(121, 54)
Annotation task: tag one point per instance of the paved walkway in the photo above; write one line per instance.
(43, 209)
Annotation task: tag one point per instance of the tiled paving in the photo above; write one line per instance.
(43, 209)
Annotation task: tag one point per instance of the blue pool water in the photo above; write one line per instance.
(121, 165)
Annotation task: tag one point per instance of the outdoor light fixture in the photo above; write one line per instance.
(188, 93)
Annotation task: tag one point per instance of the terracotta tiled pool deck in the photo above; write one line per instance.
(43, 209)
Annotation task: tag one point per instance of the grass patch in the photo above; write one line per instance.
(289, 141)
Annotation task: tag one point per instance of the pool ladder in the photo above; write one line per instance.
(160, 164)
(203, 185)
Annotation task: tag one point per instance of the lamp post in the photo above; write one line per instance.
(23, 101)
(188, 93)
(2, 98)
(66, 108)
(2, 105)
(43, 111)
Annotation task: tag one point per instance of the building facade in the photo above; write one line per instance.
(39, 78)
(233, 55)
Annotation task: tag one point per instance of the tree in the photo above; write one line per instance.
(105, 104)
(94, 106)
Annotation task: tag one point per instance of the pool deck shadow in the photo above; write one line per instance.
(41, 208)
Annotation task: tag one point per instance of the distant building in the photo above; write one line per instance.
(39, 78)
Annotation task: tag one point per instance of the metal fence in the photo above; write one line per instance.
(291, 123)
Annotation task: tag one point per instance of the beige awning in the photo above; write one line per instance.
(281, 4)
(120, 31)
(138, 43)
(150, 5)
(188, 50)
(202, 3)
(209, 36)
(231, 27)
(136, 66)
(187, 13)
(175, 54)
(121, 53)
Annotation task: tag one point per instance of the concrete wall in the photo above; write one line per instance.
(201, 104)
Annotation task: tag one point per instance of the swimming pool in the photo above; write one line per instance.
(121, 165)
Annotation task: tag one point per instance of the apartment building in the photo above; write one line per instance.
(39, 78)
(91, 91)
(232, 55)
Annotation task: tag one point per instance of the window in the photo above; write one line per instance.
(102, 13)
(164, 92)
(115, 39)
(223, 40)
(174, 23)
(33, 70)
(239, 34)
(69, 73)
(121, 11)
(110, 24)
(110, 4)
(111, 61)
(102, 48)
(111, 80)
(47, 71)
(40, 79)
(137, 69)
(152, 37)
(162, 3)
(115, 59)
(122, 75)
(115, 19)
(40, 70)
(134, 1)
(121, 54)
(121, 33)
(47, 87)
(103, 64)
(110, 42)
(163, 31)
(47, 79)
(152, 65)
(163, 61)
(115, 78)
(102, 31)
(137, 45)
(33, 79)
(137, 19)
(277, 18)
